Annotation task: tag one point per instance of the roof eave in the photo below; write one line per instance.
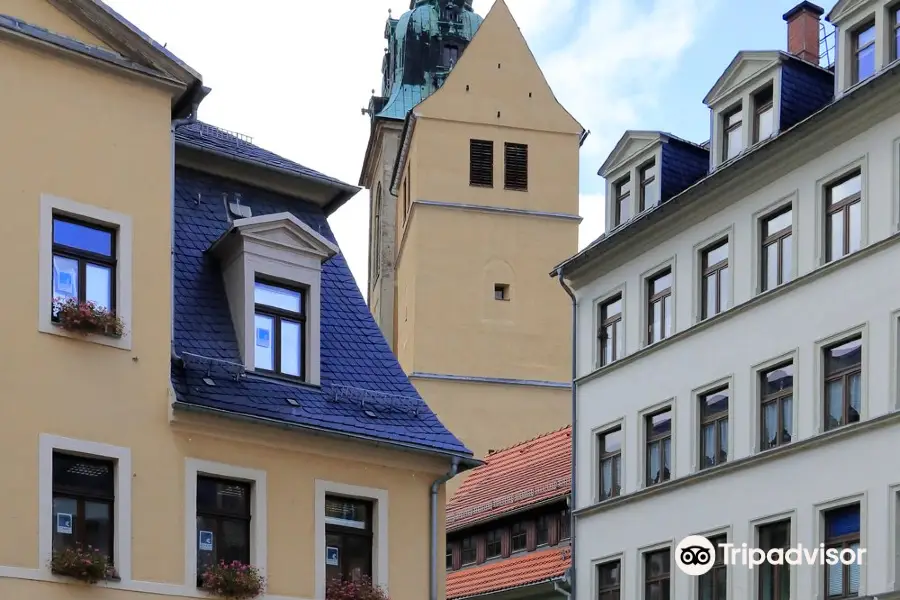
(520, 509)
(532, 588)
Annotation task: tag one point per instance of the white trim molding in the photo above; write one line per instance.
(121, 505)
(193, 468)
(380, 557)
(51, 206)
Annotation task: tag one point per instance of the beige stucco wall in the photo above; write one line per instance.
(41, 12)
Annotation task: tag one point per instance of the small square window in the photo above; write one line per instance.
(83, 503)
(501, 291)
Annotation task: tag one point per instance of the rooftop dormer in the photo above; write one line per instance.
(645, 169)
(272, 269)
(868, 37)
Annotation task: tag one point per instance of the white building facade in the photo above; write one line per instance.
(738, 330)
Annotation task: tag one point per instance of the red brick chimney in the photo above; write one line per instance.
(803, 31)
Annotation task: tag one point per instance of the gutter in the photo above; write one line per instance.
(571, 571)
(433, 546)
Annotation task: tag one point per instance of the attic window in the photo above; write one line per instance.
(450, 55)
(516, 167)
(623, 200)
(280, 332)
(763, 115)
(733, 141)
(864, 52)
(481, 163)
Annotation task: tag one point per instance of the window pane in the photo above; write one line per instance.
(855, 399)
(716, 255)
(714, 404)
(865, 36)
(76, 235)
(623, 187)
(667, 305)
(291, 348)
(64, 537)
(846, 189)
(666, 459)
(98, 526)
(612, 441)
(708, 442)
(653, 463)
(651, 194)
(787, 419)
(620, 340)
(657, 322)
(733, 118)
(612, 309)
(663, 282)
(710, 307)
(235, 542)
(866, 63)
(660, 424)
(843, 356)
(265, 342)
(855, 226)
(86, 476)
(723, 289)
(723, 441)
(216, 495)
(779, 379)
(787, 265)
(347, 513)
(65, 277)
(770, 425)
(834, 397)
(734, 142)
(624, 209)
(765, 124)
(98, 285)
(853, 572)
(606, 477)
(606, 345)
(836, 239)
(277, 297)
(834, 575)
(206, 554)
(777, 223)
(771, 275)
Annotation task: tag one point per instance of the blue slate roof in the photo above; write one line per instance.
(364, 393)
(682, 165)
(805, 89)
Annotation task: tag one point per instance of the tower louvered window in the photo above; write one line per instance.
(516, 167)
(481, 163)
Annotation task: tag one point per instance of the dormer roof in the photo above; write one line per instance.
(843, 8)
(281, 230)
(634, 141)
(744, 66)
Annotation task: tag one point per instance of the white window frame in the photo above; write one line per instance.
(862, 164)
(757, 228)
(728, 381)
(632, 169)
(895, 183)
(744, 93)
(121, 503)
(596, 434)
(51, 206)
(894, 329)
(756, 372)
(755, 524)
(726, 234)
(380, 555)
(672, 405)
(819, 510)
(599, 302)
(847, 27)
(819, 375)
(644, 317)
(195, 467)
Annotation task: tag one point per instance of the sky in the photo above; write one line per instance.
(295, 74)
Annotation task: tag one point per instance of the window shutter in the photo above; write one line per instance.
(516, 167)
(530, 535)
(481, 163)
(505, 542)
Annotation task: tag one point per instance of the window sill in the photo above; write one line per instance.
(66, 577)
(281, 378)
(514, 189)
(53, 328)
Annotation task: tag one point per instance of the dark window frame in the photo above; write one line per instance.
(895, 31)
(518, 531)
(777, 239)
(654, 440)
(663, 578)
(610, 321)
(449, 556)
(493, 537)
(718, 567)
(481, 163)
(278, 315)
(658, 298)
(761, 107)
(515, 167)
(565, 525)
(244, 518)
(620, 197)
(841, 542)
(615, 458)
(501, 291)
(857, 49)
(779, 572)
(449, 55)
(463, 550)
(708, 272)
(717, 419)
(728, 128)
(645, 181)
(85, 257)
(778, 398)
(81, 495)
(841, 206)
(609, 580)
(542, 531)
(843, 375)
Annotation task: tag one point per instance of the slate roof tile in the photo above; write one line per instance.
(532, 568)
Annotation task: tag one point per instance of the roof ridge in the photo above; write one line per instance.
(528, 441)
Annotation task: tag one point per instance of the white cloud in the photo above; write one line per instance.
(294, 75)
(592, 208)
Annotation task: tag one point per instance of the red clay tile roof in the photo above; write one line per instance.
(528, 473)
(531, 568)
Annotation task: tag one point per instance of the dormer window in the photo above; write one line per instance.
(733, 141)
(623, 200)
(763, 115)
(864, 53)
(649, 185)
(279, 323)
(895, 33)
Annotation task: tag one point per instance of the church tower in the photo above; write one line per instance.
(475, 200)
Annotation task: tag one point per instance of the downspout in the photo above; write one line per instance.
(572, 570)
(433, 550)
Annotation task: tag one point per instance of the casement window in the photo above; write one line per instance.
(84, 262)
(712, 584)
(863, 52)
(776, 404)
(774, 580)
(714, 284)
(609, 580)
(733, 133)
(223, 522)
(763, 115)
(842, 529)
(657, 573)
(469, 554)
(623, 200)
(658, 427)
(714, 427)
(843, 216)
(542, 530)
(348, 538)
(610, 459)
(659, 306)
(895, 33)
(280, 330)
(565, 525)
(612, 341)
(515, 167)
(83, 503)
(492, 544)
(449, 557)
(649, 186)
(481, 163)
(843, 382)
(776, 262)
(518, 539)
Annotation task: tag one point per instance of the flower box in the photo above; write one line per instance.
(86, 318)
(88, 565)
(361, 589)
(234, 581)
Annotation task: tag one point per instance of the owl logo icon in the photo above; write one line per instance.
(695, 555)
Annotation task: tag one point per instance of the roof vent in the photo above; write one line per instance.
(239, 210)
(371, 414)
(209, 381)
(292, 402)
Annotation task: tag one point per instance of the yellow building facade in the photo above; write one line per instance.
(474, 194)
(224, 423)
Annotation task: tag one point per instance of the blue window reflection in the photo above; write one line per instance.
(82, 237)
